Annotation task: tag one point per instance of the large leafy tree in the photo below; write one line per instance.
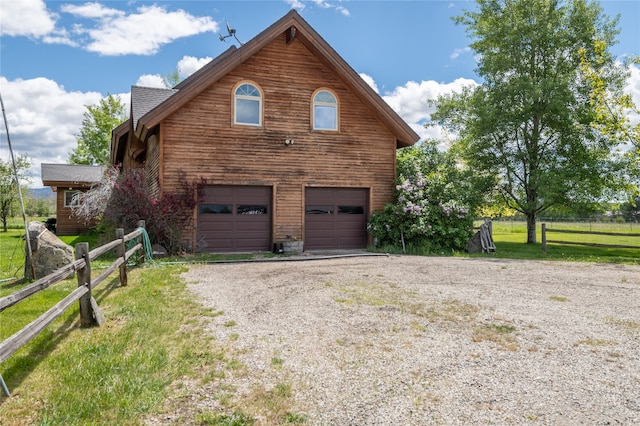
(530, 123)
(94, 139)
(9, 187)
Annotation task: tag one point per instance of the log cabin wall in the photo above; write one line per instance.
(201, 139)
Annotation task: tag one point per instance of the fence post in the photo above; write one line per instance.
(84, 278)
(141, 224)
(121, 252)
(544, 238)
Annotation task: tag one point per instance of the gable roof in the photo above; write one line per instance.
(70, 174)
(146, 115)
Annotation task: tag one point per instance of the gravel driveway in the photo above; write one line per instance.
(403, 340)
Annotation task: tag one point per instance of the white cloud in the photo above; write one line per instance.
(458, 52)
(343, 10)
(109, 32)
(633, 88)
(186, 66)
(151, 80)
(321, 3)
(295, 4)
(369, 80)
(141, 33)
(29, 18)
(189, 64)
(411, 102)
(299, 4)
(92, 11)
(43, 120)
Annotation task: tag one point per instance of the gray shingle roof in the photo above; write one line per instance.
(144, 99)
(71, 173)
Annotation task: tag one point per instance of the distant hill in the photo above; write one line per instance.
(45, 193)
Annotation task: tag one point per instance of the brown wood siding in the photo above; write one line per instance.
(152, 166)
(234, 218)
(200, 139)
(66, 224)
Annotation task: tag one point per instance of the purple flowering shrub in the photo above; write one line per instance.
(435, 202)
(418, 219)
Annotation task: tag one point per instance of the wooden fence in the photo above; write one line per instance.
(90, 313)
(546, 230)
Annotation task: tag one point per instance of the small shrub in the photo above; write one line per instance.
(122, 200)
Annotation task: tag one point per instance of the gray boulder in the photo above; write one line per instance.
(474, 245)
(49, 252)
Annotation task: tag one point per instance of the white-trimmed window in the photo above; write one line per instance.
(325, 111)
(247, 100)
(71, 198)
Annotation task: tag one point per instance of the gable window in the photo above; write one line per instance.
(71, 198)
(325, 111)
(247, 105)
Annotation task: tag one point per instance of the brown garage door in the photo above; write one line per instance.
(335, 218)
(234, 219)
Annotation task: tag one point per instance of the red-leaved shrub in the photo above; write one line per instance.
(165, 217)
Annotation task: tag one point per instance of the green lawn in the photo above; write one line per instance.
(510, 240)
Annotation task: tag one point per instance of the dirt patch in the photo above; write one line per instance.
(420, 340)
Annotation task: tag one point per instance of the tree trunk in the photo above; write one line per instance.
(531, 228)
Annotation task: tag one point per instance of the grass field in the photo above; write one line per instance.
(12, 247)
(510, 238)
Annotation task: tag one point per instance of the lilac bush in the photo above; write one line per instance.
(435, 203)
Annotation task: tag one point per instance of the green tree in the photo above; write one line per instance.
(631, 209)
(172, 79)
(9, 187)
(613, 107)
(38, 206)
(94, 140)
(530, 123)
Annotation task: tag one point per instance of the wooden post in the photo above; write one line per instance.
(121, 252)
(141, 224)
(544, 238)
(84, 278)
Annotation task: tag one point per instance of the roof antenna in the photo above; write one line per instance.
(231, 32)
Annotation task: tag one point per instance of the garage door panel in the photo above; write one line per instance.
(216, 227)
(234, 218)
(218, 244)
(321, 225)
(251, 227)
(336, 218)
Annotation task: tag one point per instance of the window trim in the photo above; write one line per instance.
(313, 110)
(71, 204)
(260, 100)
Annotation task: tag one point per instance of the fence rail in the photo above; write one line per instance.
(546, 230)
(90, 313)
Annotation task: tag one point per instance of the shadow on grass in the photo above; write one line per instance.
(22, 365)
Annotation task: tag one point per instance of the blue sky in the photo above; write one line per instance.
(56, 57)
